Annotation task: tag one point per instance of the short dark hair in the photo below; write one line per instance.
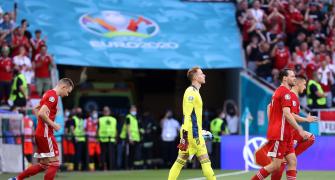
(283, 73)
(67, 81)
(191, 72)
(301, 77)
(38, 31)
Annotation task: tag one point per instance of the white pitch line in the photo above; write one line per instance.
(223, 175)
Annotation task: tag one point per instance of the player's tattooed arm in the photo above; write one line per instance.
(43, 113)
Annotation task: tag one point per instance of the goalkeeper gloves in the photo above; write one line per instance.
(183, 145)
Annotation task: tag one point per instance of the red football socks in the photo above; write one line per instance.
(291, 175)
(261, 174)
(52, 170)
(31, 171)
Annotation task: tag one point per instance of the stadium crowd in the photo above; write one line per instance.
(296, 34)
(25, 65)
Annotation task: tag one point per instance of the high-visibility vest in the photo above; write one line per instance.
(215, 128)
(91, 129)
(321, 101)
(79, 131)
(134, 130)
(28, 129)
(15, 91)
(107, 129)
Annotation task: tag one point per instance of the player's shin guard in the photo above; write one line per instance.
(261, 174)
(207, 169)
(276, 175)
(32, 170)
(176, 168)
(52, 170)
(291, 174)
(302, 146)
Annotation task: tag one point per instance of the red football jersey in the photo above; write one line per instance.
(281, 58)
(295, 109)
(43, 63)
(50, 99)
(6, 66)
(277, 123)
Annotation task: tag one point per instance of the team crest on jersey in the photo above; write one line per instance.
(52, 99)
(294, 103)
(190, 98)
(287, 97)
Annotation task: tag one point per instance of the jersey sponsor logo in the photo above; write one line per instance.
(294, 103)
(52, 99)
(249, 150)
(287, 96)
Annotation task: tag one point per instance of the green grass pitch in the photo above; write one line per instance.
(162, 174)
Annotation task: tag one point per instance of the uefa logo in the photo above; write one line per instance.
(110, 24)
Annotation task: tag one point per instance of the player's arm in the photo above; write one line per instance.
(188, 106)
(309, 118)
(290, 118)
(43, 114)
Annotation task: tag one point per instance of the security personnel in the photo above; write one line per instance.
(316, 98)
(28, 137)
(217, 128)
(107, 131)
(80, 141)
(19, 91)
(131, 130)
(94, 150)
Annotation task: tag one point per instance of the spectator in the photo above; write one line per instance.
(294, 20)
(6, 74)
(252, 53)
(7, 28)
(241, 13)
(303, 55)
(19, 91)
(324, 75)
(296, 42)
(264, 62)
(258, 15)
(170, 128)
(281, 56)
(23, 63)
(42, 64)
(20, 40)
(232, 118)
(24, 27)
(37, 43)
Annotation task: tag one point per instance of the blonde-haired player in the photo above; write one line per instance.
(192, 141)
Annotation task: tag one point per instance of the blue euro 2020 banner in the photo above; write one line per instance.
(160, 34)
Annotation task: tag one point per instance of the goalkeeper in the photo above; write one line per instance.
(192, 142)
